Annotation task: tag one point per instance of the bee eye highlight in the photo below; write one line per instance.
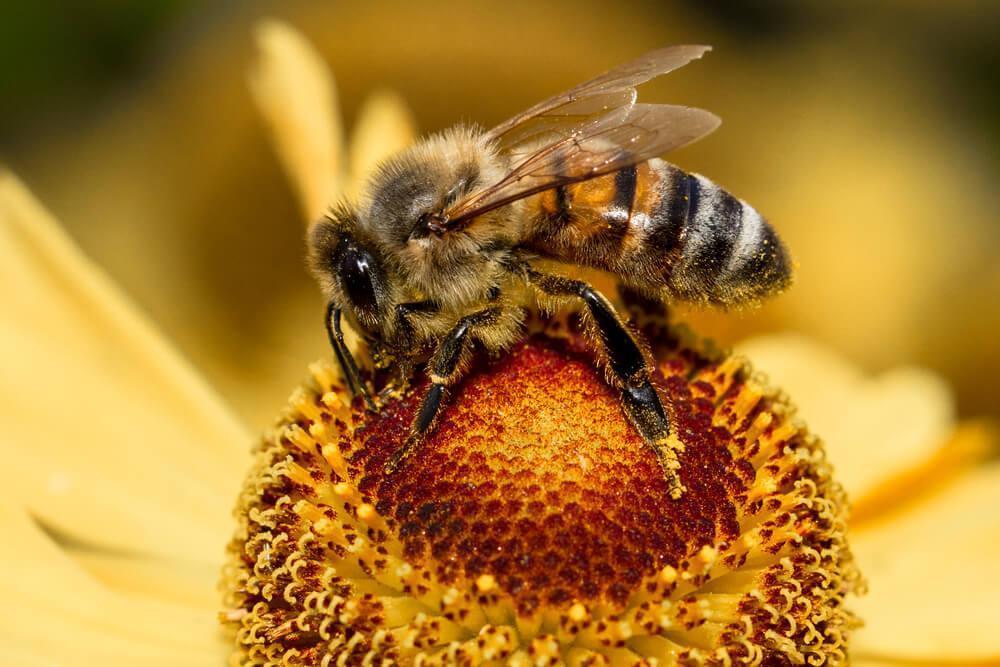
(359, 279)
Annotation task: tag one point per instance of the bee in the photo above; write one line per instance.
(445, 248)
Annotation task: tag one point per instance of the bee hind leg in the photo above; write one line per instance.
(629, 371)
(445, 369)
(644, 409)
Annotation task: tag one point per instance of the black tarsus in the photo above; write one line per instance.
(344, 357)
(644, 407)
(444, 368)
(428, 408)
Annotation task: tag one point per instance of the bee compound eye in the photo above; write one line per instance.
(359, 279)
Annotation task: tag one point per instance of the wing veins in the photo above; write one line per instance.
(616, 85)
(621, 138)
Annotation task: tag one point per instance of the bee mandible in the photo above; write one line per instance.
(443, 249)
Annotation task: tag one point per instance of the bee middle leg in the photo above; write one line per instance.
(629, 371)
(406, 343)
(445, 369)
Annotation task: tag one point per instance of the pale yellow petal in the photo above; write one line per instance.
(385, 126)
(188, 584)
(295, 93)
(968, 444)
(934, 576)
(879, 430)
(110, 438)
(55, 614)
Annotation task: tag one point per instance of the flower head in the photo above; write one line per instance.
(534, 523)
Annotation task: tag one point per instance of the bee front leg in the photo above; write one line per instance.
(348, 366)
(629, 370)
(406, 343)
(445, 368)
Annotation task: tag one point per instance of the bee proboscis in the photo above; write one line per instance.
(442, 251)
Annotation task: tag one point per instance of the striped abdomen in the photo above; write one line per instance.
(658, 228)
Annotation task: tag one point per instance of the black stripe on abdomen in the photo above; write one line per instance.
(620, 208)
(721, 223)
(669, 215)
(713, 226)
(762, 266)
(561, 214)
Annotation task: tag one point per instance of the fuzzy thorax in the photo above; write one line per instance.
(534, 525)
(458, 267)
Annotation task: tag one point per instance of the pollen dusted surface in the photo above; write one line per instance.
(581, 517)
(534, 526)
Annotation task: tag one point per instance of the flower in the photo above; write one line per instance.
(534, 525)
(122, 465)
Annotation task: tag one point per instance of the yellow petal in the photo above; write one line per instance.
(385, 126)
(878, 430)
(56, 615)
(969, 443)
(188, 584)
(934, 576)
(295, 93)
(110, 438)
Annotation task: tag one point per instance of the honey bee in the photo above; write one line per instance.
(443, 250)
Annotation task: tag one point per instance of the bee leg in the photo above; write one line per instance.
(645, 410)
(344, 357)
(446, 368)
(630, 371)
(405, 340)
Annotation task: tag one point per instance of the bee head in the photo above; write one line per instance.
(351, 271)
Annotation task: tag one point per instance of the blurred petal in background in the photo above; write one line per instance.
(869, 135)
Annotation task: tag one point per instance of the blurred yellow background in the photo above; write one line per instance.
(869, 133)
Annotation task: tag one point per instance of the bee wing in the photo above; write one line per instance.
(621, 138)
(611, 90)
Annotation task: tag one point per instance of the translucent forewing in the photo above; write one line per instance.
(623, 137)
(612, 90)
